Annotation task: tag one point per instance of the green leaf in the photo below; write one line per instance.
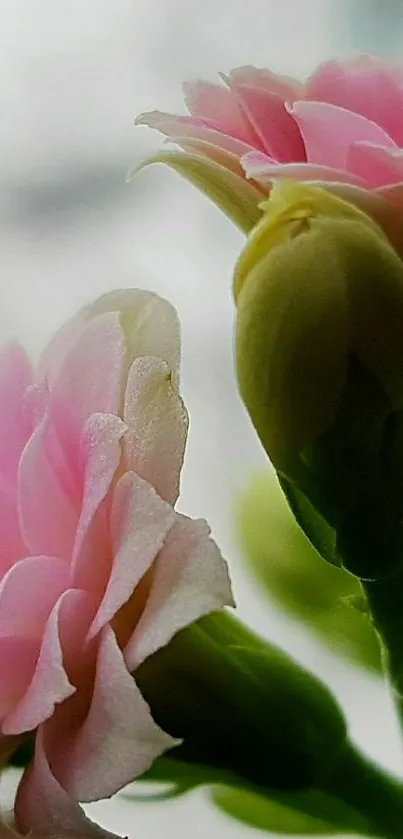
(281, 557)
(309, 813)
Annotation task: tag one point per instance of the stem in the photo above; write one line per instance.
(369, 791)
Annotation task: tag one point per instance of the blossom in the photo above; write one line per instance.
(342, 128)
(98, 569)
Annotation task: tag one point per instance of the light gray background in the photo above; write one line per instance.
(73, 74)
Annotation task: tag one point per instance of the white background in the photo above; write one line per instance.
(73, 74)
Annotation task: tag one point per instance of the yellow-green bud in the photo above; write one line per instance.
(319, 348)
(316, 283)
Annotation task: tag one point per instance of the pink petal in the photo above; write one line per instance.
(12, 546)
(278, 133)
(60, 345)
(28, 593)
(258, 166)
(45, 809)
(15, 420)
(366, 85)
(100, 454)
(328, 132)
(89, 381)
(157, 424)
(150, 325)
(49, 685)
(118, 740)
(17, 663)
(139, 524)
(286, 87)
(213, 152)
(193, 129)
(190, 580)
(378, 165)
(218, 106)
(47, 517)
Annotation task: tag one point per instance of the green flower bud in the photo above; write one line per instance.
(243, 707)
(319, 353)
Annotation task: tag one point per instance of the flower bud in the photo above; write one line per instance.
(242, 706)
(319, 351)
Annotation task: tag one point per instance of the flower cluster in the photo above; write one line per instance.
(341, 128)
(98, 569)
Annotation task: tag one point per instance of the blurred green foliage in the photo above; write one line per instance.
(328, 599)
(297, 813)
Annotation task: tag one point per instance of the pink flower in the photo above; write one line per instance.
(98, 569)
(344, 126)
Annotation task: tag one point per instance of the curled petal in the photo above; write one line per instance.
(367, 85)
(100, 453)
(47, 516)
(329, 131)
(191, 129)
(190, 580)
(21, 613)
(217, 106)
(45, 809)
(49, 685)
(140, 522)
(260, 167)
(285, 86)
(150, 325)
(80, 390)
(118, 740)
(157, 424)
(277, 130)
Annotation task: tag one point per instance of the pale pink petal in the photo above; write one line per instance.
(219, 108)
(150, 325)
(259, 166)
(15, 420)
(12, 545)
(100, 453)
(157, 424)
(366, 85)
(48, 518)
(81, 389)
(190, 580)
(118, 740)
(288, 88)
(139, 524)
(192, 129)
(328, 132)
(49, 684)
(213, 152)
(28, 593)
(378, 165)
(45, 809)
(17, 663)
(278, 132)
(59, 346)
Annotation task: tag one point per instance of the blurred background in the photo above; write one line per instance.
(73, 75)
